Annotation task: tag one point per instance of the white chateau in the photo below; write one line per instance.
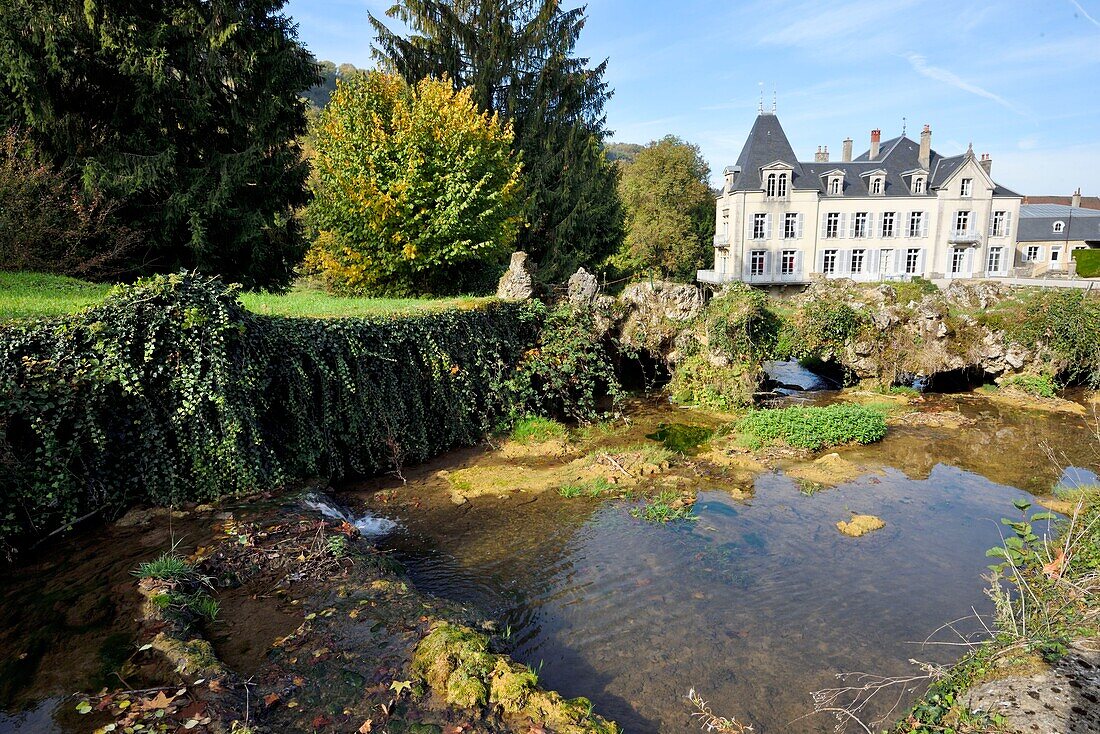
(897, 211)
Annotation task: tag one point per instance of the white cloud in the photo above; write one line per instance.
(922, 67)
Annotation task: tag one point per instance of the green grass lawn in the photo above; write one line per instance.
(36, 295)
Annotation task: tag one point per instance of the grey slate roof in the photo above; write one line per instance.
(1037, 223)
(767, 143)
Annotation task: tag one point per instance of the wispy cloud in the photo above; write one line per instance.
(1085, 13)
(812, 23)
(922, 67)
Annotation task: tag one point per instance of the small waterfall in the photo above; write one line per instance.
(368, 525)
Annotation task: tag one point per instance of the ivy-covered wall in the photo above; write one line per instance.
(172, 392)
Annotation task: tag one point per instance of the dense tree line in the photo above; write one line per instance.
(184, 113)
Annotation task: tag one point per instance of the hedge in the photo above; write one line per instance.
(171, 392)
(1088, 263)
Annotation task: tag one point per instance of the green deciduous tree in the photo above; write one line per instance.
(184, 111)
(415, 190)
(669, 210)
(516, 56)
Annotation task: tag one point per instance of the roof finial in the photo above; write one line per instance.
(761, 98)
(775, 100)
(904, 126)
(970, 149)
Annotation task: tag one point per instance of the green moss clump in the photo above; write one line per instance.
(512, 686)
(680, 437)
(536, 429)
(455, 661)
(1038, 385)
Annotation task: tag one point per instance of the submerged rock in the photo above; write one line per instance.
(830, 470)
(860, 525)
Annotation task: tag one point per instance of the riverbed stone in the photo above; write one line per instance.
(1064, 699)
(518, 282)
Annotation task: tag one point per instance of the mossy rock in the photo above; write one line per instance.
(860, 525)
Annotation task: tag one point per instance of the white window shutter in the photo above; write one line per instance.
(844, 262)
(823, 232)
(852, 226)
(820, 267)
(798, 263)
(924, 224)
(798, 226)
(992, 222)
(905, 223)
(872, 262)
(767, 228)
(920, 263)
(842, 224)
(1008, 226)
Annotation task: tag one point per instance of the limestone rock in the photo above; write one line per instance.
(1064, 699)
(518, 282)
(583, 287)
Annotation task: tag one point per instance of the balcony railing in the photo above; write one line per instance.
(720, 240)
(965, 237)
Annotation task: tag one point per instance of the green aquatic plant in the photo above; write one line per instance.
(816, 428)
(534, 429)
(668, 506)
(592, 488)
(167, 567)
(680, 437)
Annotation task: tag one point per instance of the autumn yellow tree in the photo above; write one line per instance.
(415, 190)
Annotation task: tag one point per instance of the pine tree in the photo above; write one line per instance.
(184, 111)
(517, 57)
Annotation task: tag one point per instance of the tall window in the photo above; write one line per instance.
(912, 261)
(962, 222)
(782, 186)
(859, 224)
(723, 259)
(859, 259)
(758, 262)
(771, 185)
(832, 225)
(1000, 219)
(834, 186)
(759, 226)
(886, 261)
(967, 188)
(1031, 254)
(828, 262)
(916, 224)
(790, 226)
(958, 260)
(918, 185)
(996, 256)
(789, 262)
(888, 224)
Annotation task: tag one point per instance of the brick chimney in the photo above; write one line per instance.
(876, 140)
(822, 154)
(926, 148)
(1076, 200)
(847, 157)
(986, 163)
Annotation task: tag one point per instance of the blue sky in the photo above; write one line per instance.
(1018, 78)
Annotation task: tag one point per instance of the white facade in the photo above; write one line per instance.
(882, 219)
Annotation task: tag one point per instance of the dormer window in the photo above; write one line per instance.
(918, 185)
(776, 186)
(967, 188)
(1059, 227)
(876, 186)
(835, 185)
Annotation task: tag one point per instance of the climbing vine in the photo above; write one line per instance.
(172, 392)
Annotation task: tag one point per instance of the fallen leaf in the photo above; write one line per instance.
(401, 685)
(1054, 569)
(367, 727)
(271, 699)
(321, 721)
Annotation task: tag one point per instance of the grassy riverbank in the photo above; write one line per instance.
(38, 295)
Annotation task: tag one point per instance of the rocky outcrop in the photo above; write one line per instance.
(1064, 699)
(654, 313)
(582, 288)
(518, 282)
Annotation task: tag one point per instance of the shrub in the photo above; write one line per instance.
(567, 373)
(739, 325)
(170, 392)
(823, 326)
(914, 289)
(1062, 324)
(1088, 263)
(816, 428)
(415, 189)
(50, 224)
(697, 381)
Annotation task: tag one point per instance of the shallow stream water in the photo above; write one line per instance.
(755, 605)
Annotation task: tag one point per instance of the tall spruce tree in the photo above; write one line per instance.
(184, 111)
(517, 57)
